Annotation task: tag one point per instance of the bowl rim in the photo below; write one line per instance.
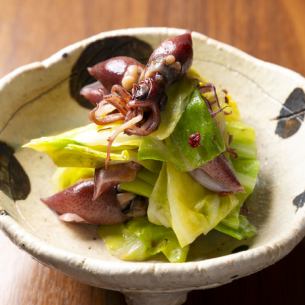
(279, 246)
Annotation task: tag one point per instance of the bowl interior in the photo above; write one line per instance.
(37, 102)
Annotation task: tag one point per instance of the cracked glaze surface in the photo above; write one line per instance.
(259, 88)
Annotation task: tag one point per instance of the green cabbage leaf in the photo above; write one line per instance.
(196, 119)
(139, 240)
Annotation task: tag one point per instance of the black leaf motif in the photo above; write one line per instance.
(291, 114)
(14, 181)
(299, 200)
(101, 50)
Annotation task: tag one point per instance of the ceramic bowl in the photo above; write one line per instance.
(42, 99)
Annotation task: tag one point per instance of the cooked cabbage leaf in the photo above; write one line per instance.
(246, 168)
(95, 136)
(243, 139)
(151, 148)
(66, 153)
(180, 202)
(142, 185)
(243, 231)
(246, 165)
(176, 148)
(195, 119)
(65, 177)
(137, 186)
(139, 240)
(147, 176)
(178, 96)
(86, 147)
(232, 220)
(158, 209)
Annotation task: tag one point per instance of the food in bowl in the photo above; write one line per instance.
(166, 158)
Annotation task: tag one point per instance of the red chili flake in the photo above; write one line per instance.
(194, 139)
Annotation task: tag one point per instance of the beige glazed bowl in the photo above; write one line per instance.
(41, 99)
